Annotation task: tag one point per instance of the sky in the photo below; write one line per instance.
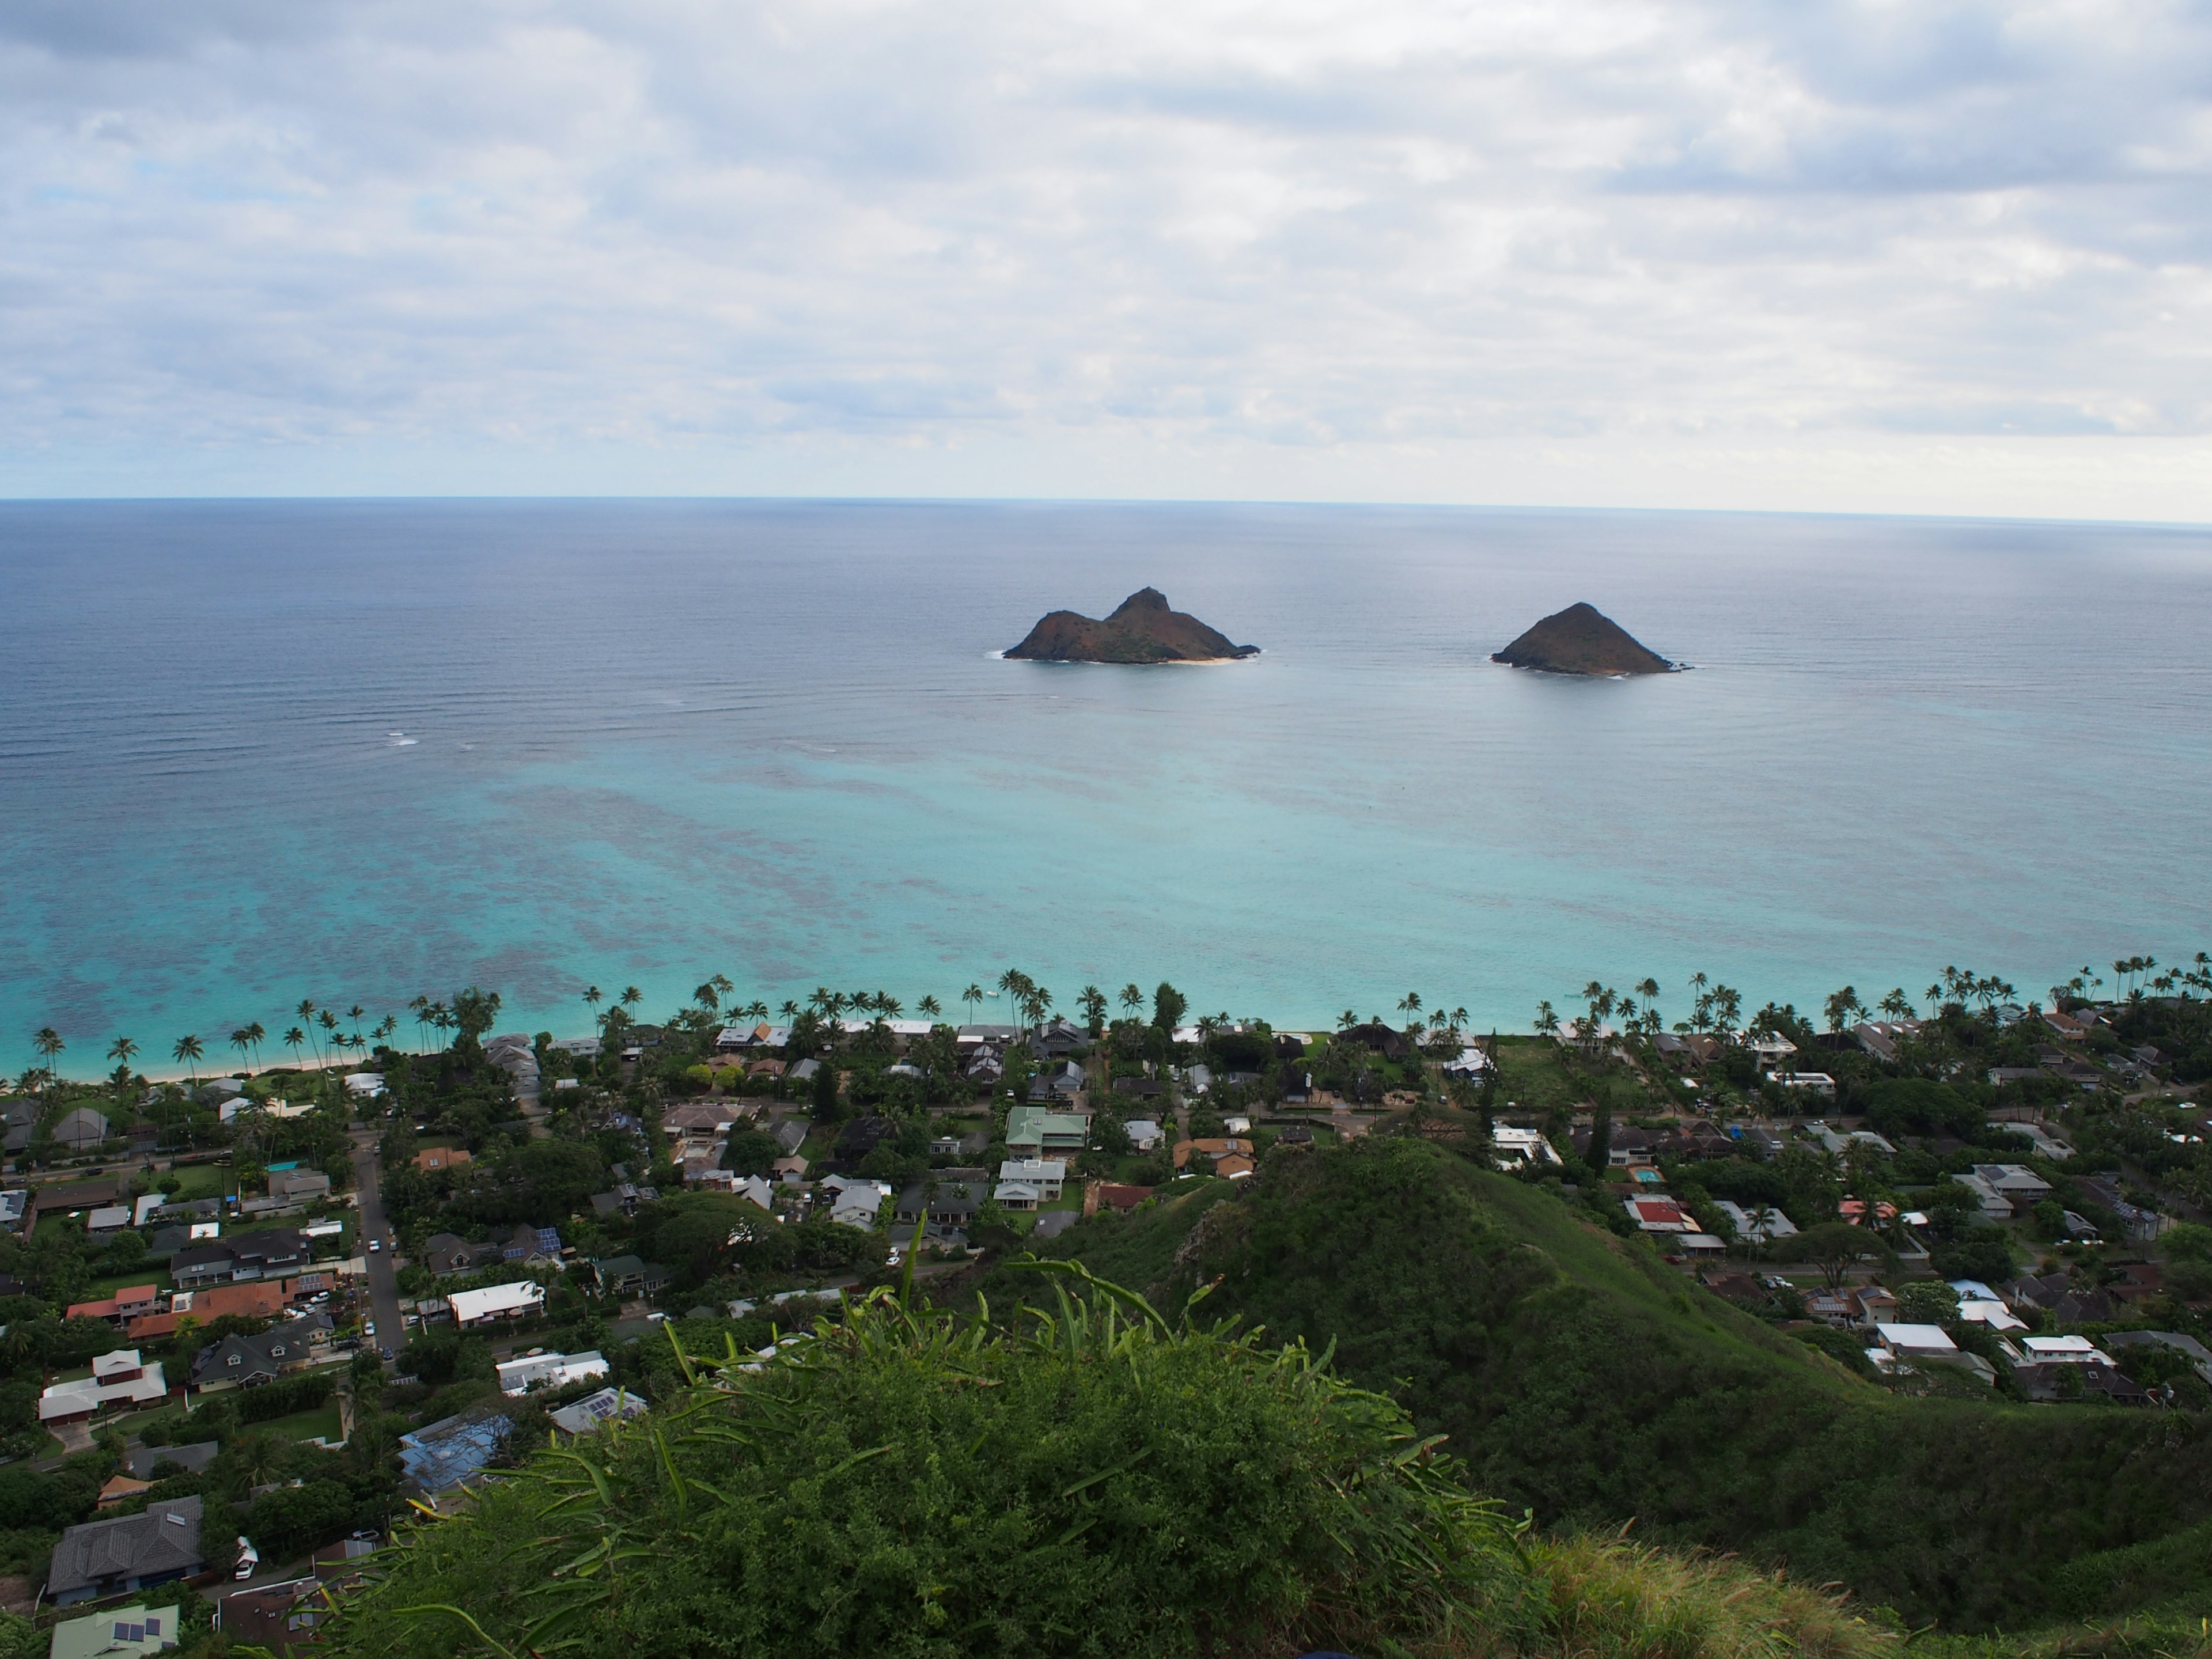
(1883, 257)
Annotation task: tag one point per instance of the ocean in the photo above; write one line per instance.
(355, 751)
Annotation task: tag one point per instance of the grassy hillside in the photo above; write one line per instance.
(1578, 1375)
(1096, 1483)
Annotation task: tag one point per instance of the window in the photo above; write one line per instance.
(235, 1359)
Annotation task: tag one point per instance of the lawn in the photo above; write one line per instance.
(303, 1426)
(154, 1272)
(200, 1181)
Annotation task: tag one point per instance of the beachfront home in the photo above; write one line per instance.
(158, 1546)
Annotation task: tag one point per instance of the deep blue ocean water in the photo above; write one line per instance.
(351, 751)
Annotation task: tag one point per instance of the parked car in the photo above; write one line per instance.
(375, 1244)
(249, 1560)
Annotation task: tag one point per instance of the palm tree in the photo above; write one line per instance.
(707, 997)
(1347, 1019)
(631, 996)
(242, 1040)
(293, 1039)
(591, 995)
(928, 1008)
(1092, 1002)
(49, 1044)
(971, 996)
(329, 1022)
(355, 1014)
(1897, 1004)
(385, 1027)
(1410, 1004)
(1547, 1020)
(120, 1052)
(1458, 1021)
(1647, 988)
(789, 1008)
(889, 1006)
(254, 1033)
(1133, 998)
(190, 1050)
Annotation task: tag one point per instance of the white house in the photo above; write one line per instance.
(2066, 1350)
(1515, 1147)
(496, 1302)
(1760, 1224)
(1917, 1341)
(1045, 1174)
(1145, 1134)
(118, 1379)
(548, 1370)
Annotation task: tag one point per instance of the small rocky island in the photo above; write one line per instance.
(1142, 629)
(1582, 639)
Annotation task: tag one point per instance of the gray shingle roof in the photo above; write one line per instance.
(164, 1539)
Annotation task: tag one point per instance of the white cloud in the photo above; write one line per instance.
(1489, 252)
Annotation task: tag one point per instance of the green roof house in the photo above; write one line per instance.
(1032, 1132)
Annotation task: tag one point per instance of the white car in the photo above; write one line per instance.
(249, 1560)
(368, 1327)
(375, 1245)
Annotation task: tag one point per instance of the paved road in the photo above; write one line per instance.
(383, 1285)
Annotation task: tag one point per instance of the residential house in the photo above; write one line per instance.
(949, 1203)
(1994, 1204)
(495, 1302)
(119, 1488)
(446, 1453)
(1045, 1174)
(1214, 1147)
(1059, 1040)
(80, 1130)
(107, 1221)
(1032, 1132)
(861, 1137)
(1116, 1196)
(130, 1632)
(2200, 1357)
(622, 1199)
(2139, 1225)
(1196, 1079)
(1905, 1344)
(1064, 1082)
(629, 1276)
(2047, 1380)
(1145, 1134)
(259, 1299)
(533, 1247)
(1760, 1224)
(1770, 1051)
(805, 1071)
(2057, 1295)
(299, 1186)
(1660, 1215)
(548, 1370)
(431, 1159)
(595, 1411)
(1837, 1141)
(158, 1546)
(1015, 1195)
(247, 1362)
(756, 1188)
(1515, 1146)
(145, 1463)
(118, 1379)
(447, 1253)
(13, 1203)
(133, 1302)
(790, 1135)
(2017, 1184)
(63, 1196)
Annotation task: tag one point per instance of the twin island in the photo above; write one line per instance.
(1143, 629)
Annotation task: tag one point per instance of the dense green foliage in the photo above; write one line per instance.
(1090, 1482)
(1576, 1373)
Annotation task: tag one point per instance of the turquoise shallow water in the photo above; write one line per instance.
(259, 752)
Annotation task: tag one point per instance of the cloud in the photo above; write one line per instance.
(265, 239)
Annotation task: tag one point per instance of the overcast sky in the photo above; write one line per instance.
(1910, 256)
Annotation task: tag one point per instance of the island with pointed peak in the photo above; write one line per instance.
(1142, 629)
(1582, 639)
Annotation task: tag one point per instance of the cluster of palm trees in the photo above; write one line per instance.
(2135, 976)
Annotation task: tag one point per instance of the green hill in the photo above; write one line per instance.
(1578, 1375)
